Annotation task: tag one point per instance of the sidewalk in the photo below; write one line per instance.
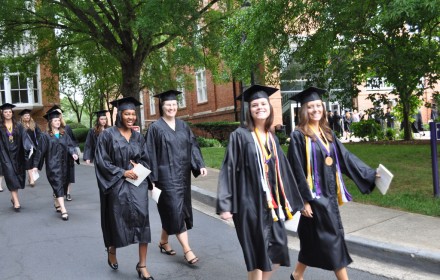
(405, 239)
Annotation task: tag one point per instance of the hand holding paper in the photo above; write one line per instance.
(141, 171)
(384, 180)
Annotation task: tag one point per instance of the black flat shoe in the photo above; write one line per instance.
(65, 216)
(140, 275)
(113, 266)
(57, 208)
(291, 277)
(170, 252)
(68, 197)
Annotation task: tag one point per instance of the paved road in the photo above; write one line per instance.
(37, 244)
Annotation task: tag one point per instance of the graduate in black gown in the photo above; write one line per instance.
(173, 154)
(34, 133)
(92, 135)
(124, 207)
(257, 189)
(15, 147)
(55, 149)
(318, 160)
(71, 163)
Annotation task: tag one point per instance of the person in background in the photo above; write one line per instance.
(68, 129)
(355, 117)
(434, 112)
(337, 122)
(15, 148)
(55, 148)
(256, 188)
(92, 135)
(173, 154)
(389, 117)
(331, 120)
(125, 217)
(34, 133)
(318, 160)
(347, 123)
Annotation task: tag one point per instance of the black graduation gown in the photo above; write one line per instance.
(322, 237)
(71, 162)
(57, 154)
(240, 192)
(173, 155)
(13, 157)
(34, 135)
(89, 146)
(124, 207)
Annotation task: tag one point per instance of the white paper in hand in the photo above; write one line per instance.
(383, 182)
(35, 175)
(142, 172)
(292, 224)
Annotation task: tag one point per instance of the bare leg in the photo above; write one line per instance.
(68, 198)
(300, 268)
(112, 255)
(14, 195)
(164, 241)
(255, 274)
(142, 265)
(268, 274)
(64, 214)
(341, 274)
(31, 179)
(1, 181)
(188, 253)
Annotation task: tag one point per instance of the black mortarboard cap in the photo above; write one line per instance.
(309, 94)
(56, 107)
(6, 106)
(52, 114)
(25, 111)
(100, 113)
(168, 95)
(126, 103)
(255, 92)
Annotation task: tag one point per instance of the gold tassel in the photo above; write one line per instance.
(274, 216)
(289, 215)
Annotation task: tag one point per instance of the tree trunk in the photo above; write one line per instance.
(131, 73)
(405, 99)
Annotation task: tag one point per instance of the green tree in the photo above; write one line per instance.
(339, 44)
(127, 32)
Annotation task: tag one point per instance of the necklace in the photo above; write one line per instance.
(9, 132)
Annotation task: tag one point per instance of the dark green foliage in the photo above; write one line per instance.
(208, 142)
(282, 137)
(74, 125)
(367, 129)
(217, 130)
(80, 134)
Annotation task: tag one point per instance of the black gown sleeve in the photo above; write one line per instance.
(196, 156)
(228, 177)
(107, 173)
(151, 147)
(89, 146)
(361, 174)
(297, 159)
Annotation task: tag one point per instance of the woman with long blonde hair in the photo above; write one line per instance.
(34, 133)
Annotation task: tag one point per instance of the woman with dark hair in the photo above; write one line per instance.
(318, 160)
(34, 133)
(257, 189)
(15, 147)
(173, 154)
(92, 136)
(55, 148)
(124, 207)
(71, 174)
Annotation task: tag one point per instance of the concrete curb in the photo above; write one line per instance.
(423, 260)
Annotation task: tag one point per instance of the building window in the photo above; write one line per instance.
(202, 95)
(181, 98)
(16, 88)
(152, 103)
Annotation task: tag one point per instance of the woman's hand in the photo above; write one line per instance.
(203, 171)
(226, 215)
(75, 156)
(88, 161)
(307, 211)
(130, 173)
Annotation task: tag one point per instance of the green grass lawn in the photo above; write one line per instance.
(411, 189)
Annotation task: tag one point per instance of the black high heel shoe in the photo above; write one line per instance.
(291, 277)
(170, 252)
(16, 209)
(140, 275)
(114, 266)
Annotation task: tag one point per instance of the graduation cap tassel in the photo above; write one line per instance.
(274, 215)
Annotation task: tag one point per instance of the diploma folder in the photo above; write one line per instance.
(383, 182)
(142, 172)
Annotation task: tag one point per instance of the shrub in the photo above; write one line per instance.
(80, 134)
(74, 125)
(367, 129)
(208, 142)
(282, 137)
(217, 130)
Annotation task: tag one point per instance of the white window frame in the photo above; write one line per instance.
(33, 91)
(181, 98)
(152, 103)
(202, 94)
